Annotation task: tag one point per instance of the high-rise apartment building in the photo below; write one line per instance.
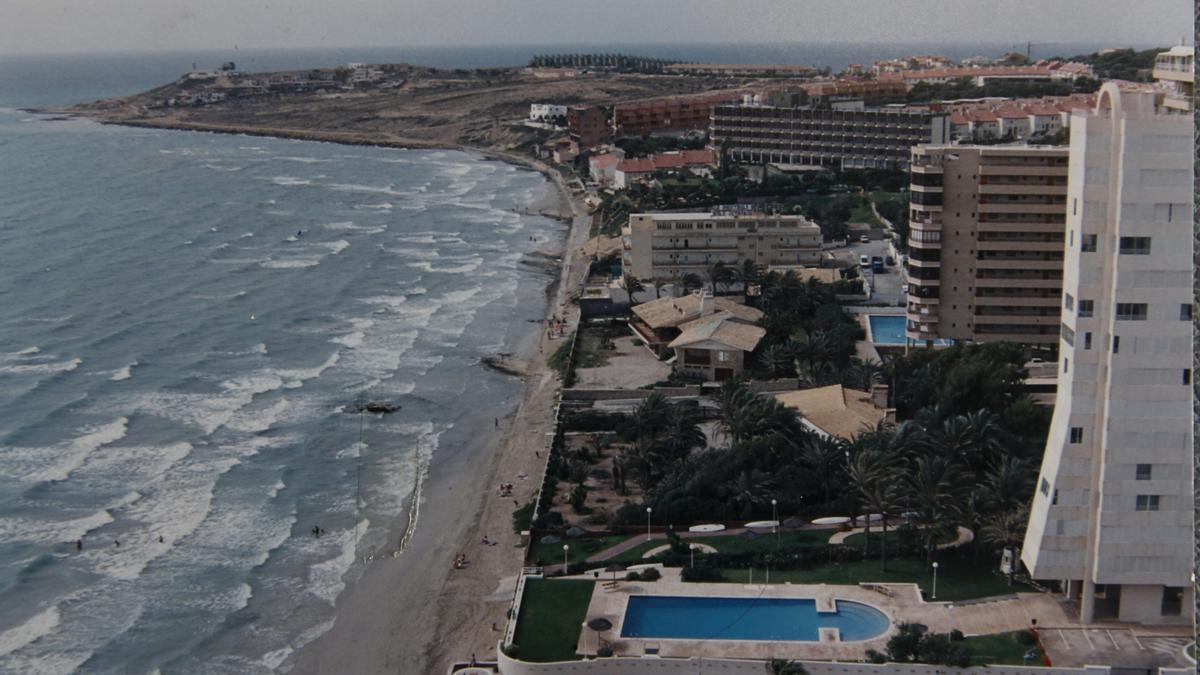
(985, 243)
(1176, 68)
(670, 245)
(1112, 512)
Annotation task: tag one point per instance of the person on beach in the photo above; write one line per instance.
(78, 544)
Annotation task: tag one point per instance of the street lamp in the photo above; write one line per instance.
(566, 567)
(692, 552)
(935, 566)
(775, 516)
(648, 523)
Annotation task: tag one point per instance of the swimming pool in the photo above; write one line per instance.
(689, 618)
(889, 330)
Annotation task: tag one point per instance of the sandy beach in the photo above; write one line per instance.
(415, 613)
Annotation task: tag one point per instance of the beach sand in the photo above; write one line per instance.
(414, 613)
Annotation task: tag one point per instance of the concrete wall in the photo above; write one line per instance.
(654, 666)
(620, 394)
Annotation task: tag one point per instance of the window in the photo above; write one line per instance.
(1131, 311)
(1187, 376)
(1185, 312)
(1086, 307)
(1068, 302)
(1066, 365)
(1076, 435)
(1147, 503)
(1045, 487)
(722, 356)
(1142, 472)
(1087, 340)
(1172, 601)
(1087, 243)
(1068, 335)
(1135, 246)
(1054, 500)
(1116, 344)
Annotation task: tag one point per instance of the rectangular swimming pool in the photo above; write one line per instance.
(691, 618)
(888, 329)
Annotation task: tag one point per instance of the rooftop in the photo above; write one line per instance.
(672, 312)
(835, 409)
(723, 328)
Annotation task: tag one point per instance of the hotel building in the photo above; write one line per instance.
(1112, 512)
(1177, 69)
(670, 245)
(985, 243)
(866, 139)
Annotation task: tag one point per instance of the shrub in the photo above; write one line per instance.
(522, 518)
(956, 635)
(633, 575)
(651, 574)
(510, 650)
(1026, 638)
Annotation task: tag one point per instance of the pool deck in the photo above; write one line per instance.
(900, 602)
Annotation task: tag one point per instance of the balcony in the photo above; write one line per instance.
(1017, 263)
(1021, 189)
(996, 169)
(1020, 207)
(1018, 245)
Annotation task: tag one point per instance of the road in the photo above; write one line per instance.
(886, 284)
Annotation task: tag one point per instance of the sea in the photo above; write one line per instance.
(187, 321)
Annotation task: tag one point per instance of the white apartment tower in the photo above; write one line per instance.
(1112, 512)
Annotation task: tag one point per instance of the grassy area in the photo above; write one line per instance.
(1000, 649)
(958, 578)
(590, 351)
(862, 213)
(552, 554)
(552, 612)
(893, 537)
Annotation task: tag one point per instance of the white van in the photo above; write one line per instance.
(864, 261)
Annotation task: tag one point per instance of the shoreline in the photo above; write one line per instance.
(564, 207)
(411, 614)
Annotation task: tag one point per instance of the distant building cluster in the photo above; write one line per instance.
(214, 86)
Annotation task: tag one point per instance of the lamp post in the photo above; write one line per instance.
(935, 566)
(692, 553)
(648, 509)
(566, 566)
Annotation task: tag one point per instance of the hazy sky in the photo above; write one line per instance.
(133, 25)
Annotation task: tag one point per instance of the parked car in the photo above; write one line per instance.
(877, 263)
(864, 261)
(864, 239)
(890, 261)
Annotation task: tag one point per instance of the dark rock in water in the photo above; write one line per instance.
(372, 407)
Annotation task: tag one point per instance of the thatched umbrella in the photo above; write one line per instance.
(614, 568)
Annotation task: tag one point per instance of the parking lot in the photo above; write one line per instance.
(886, 284)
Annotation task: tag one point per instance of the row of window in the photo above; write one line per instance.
(1125, 311)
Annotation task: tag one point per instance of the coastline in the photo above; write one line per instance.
(414, 613)
(563, 210)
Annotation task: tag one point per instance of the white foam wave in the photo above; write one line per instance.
(336, 247)
(304, 160)
(56, 462)
(293, 263)
(123, 373)
(41, 368)
(34, 627)
(290, 180)
(325, 578)
(385, 206)
(350, 340)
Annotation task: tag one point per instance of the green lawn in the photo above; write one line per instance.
(862, 213)
(958, 578)
(733, 544)
(552, 612)
(1000, 649)
(552, 554)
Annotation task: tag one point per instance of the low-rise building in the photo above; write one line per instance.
(1040, 72)
(547, 113)
(668, 114)
(670, 245)
(878, 138)
(739, 70)
(659, 322)
(602, 167)
(714, 347)
(629, 171)
(839, 411)
(985, 243)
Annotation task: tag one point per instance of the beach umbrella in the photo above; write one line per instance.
(599, 624)
(614, 568)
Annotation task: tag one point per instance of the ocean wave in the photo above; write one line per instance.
(290, 263)
(325, 579)
(370, 189)
(303, 160)
(42, 623)
(56, 462)
(41, 368)
(466, 268)
(123, 373)
(385, 206)
(290, 180)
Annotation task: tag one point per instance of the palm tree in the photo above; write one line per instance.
(750, 490)
(824, 457)
(719, 273)
(862, 375)
(1006, 530)
(691, 281)
(750, 274)
(934, 490)
(632, 285)
(882, 496)
(1008, 485)
(778, 360)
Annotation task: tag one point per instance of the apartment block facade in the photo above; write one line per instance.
(588, 125)
(985, 247)
(869, 139)
(1112, 515)
(669, 245)
(1176, 69)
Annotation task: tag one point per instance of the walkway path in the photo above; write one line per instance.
(637, 540)
(965, 536)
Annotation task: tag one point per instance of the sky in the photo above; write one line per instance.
(71, 26)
